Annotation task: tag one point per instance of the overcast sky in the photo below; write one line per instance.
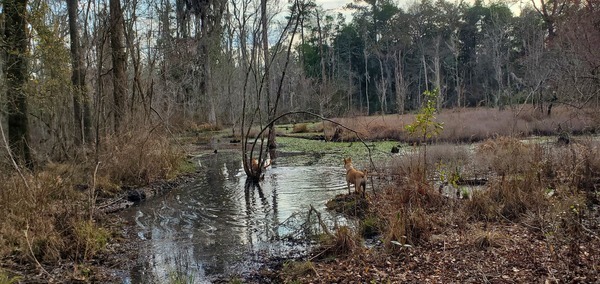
(337, 5)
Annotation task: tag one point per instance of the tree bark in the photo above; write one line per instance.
(400, 84)
(271, 143)
(119, 58)
(81, 107)
(15, 34)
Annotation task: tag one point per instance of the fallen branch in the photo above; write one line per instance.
(33, 255)
(321, 223)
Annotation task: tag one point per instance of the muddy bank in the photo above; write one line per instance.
(112, 264)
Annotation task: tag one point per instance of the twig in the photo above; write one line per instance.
(32, 254)
(12, 159)
(93, 192)
(323, 226)
(168, 129)
(592, 233)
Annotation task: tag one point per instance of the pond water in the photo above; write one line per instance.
(217, 227)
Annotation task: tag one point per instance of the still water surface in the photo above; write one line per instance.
(215, 228)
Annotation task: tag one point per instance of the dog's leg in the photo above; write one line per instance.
(363, 183)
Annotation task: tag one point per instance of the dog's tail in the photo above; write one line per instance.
(363, 183)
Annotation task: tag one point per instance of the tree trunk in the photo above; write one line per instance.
(400, 83)
(182, 19)
(382, 85)
(81, 107)
(119, 62)
(366, 79)
(437, 71)
(322, 96)
(271, 143)
(15, 33)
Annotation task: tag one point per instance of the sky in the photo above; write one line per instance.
(338, 5)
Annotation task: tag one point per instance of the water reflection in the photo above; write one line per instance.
(221, 224)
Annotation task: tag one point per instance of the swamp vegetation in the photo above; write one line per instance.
(535, 216)
(107, 103)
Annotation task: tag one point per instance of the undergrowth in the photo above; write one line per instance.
(50, 216)
(548, 188)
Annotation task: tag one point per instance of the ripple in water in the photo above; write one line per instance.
(213, 227)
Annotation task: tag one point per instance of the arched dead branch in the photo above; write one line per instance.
(251, 173)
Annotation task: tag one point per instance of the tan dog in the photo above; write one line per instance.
(355, 177)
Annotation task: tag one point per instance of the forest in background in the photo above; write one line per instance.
(77, 72)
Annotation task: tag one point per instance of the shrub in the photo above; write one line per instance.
(369, 226)
(343, 242)
(300, 128)
(139, 158)
(90, 238)
(486, 239)
(292, 270)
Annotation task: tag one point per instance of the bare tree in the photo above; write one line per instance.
(15, 35)
(400, 83)
(81, 106)
(119, 63)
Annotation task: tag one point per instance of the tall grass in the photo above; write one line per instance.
(49, 215)
(550, 187)
(473, 124)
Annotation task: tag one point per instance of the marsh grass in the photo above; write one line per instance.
(483, 239)
(546, 186)
(49, 215)
(139, 158)
(292, 270)
(472, 124)
(300, 128)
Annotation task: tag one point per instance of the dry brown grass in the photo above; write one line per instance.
(548, 186)
(300, 128)
(139, 158)
(527, 173)
(49, 216)
(483, 239)
(473, 124)
(403, 213)
(343, 242)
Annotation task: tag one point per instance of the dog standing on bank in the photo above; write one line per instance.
(355, 177)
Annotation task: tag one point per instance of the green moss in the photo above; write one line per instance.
(336, 150)
(186, 166)
(350, 204)
(369, 226)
